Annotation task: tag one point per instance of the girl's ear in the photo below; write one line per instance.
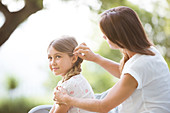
(74, 58)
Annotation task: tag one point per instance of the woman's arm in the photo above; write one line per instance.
(52, 109)
(85, 53)
(59, 108)
(119, 93)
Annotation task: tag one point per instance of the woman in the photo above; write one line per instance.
(144, 85)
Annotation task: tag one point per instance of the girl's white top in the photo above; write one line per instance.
(153, 92)
(77, 86)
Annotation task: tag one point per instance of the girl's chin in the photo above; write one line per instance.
(59, 74)
(56, 74)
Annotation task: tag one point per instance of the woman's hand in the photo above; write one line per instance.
(85, 53)
(60, 96)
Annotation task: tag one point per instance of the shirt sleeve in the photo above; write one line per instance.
(136, 67)
(134, 74)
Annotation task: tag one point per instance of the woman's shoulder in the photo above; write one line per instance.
(140, 60)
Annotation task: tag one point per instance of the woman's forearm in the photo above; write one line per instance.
(109, 65)
(116, 95)
(52, 109)
(93, 105)
(59, 109)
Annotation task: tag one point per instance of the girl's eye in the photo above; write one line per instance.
(58, 56)
(49, 58)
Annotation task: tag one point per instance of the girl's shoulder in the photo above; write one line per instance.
(78, 86)
(73, 81)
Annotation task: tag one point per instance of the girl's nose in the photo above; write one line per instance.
(53, 62)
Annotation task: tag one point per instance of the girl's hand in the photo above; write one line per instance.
(60, 95)
(85, 53)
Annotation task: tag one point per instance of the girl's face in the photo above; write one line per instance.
(111, 44)
(60, 63)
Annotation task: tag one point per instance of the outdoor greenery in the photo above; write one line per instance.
(17, 105)
(156, 25)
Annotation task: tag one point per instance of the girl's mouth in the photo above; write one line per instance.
(54, 69)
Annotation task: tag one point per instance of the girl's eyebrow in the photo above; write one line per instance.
(55, 54)
(58, 54)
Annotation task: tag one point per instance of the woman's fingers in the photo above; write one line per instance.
(81, 46)
(58, 88)
(60, 103)
(59, 92)
(82, 51)
(82, 54)
(60, 95)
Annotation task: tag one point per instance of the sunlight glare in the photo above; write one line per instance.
(2, 19)
(14, 5)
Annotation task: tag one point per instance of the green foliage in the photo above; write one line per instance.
(168, 62)
(106, 4)
(52, 81)
(18, 105)
(11, 82)
(99, 79)
(106, 52)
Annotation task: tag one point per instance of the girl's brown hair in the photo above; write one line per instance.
(67, 44)
(122, 26)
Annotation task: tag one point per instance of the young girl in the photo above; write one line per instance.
(144, 85)
(63, 62)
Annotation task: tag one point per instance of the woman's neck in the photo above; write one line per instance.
(129, 53)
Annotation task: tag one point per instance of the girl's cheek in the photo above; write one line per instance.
(50, 66)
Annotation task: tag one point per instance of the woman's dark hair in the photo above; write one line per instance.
(122, 26)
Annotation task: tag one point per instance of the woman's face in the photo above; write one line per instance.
(60, 63)
(111, 44)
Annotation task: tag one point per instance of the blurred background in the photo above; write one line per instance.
(28, 26)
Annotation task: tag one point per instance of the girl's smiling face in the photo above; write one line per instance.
(60, 63)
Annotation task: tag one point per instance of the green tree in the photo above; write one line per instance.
(11, 83)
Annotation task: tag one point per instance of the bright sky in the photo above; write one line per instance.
(24, 54)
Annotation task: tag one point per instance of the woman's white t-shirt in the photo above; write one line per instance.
(153, 92)
(77, 86)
